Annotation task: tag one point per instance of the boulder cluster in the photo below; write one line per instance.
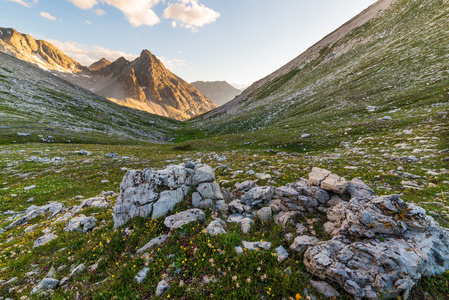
(379, 246)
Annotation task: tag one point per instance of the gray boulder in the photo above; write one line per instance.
(162, 287)
(154, 242)
(140, 277)
(258, 196)
(324, 289)
(382, 246)
(52, 208)
(216, 227)
(256, 245)
(264, 214)
(281, 253)
(44, 239)
(236, 206)
(185, 217)
(246, 225)
(301, 243)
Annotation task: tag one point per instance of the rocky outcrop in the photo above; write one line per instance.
(52, 208)
(155, 193)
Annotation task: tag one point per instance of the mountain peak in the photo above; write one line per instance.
(96, 66)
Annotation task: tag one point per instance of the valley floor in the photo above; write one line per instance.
(410, 162)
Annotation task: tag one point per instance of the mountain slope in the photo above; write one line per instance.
(35, 104)
(218, 91)
(144, 84)
(392, 56)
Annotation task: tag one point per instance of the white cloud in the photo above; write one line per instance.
(88, 22)
(84, 4)
(24, 3)
(191, 14)
(87, 55)
(174, 24)
(100, 12)
(46, 15)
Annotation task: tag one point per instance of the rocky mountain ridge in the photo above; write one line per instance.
(220, 92)
(143, 84)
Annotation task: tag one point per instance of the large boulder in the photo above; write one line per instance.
(155, 193)
(381, 247)
(180, 219)
(258, 196)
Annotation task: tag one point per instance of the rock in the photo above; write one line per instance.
(281, 253)
(30, 228)
(112, 155)
(227, 195)
(250, 172)
(245, 186)
(317, 176)
(45, 284)
(216, 227)
(302, 242)
(29, 187)
(51, 273)
(246, 224)
(154, 242)
(264, 214)
(381, 245)
(358, 188)
(81, 223)
(162, 287)
(306, 135)
(140, 277)
(258, 196)
(100, 202)
(256, 245)
(263, 176)
(238, 249)
(185, 217)
(371, 108)
(235, 218)
(288, 237)
(30, 200)
(80, 268)
(52, 208)
(190, 165)
(155, 193)
(44, 239)
(324, 289)
(335, 200)
(236, 206)
(334, 183)
(386, 118)
(167, 201)
(285, 217)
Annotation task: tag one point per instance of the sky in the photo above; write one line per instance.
(239, 41)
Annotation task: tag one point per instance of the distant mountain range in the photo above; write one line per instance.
(218, 91)
(143, 84)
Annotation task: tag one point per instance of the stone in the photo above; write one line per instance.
(317, 176)
(228, 197)
(288, 237)
(81, 223)
(238, 249)
(236, 206)
(140, 277)
(324, 289)
(202, 174)
(245, 186)
(216, 227)
(154, 242)
(210, 190)
(380, 245)
(302, 242)
(31, 187)
(30, 228)
(263, 176)
(281, 253)
(256, 245)
(52, 208)
(258, 196)
(49, 283)
(112, 155)
(371, 108)
(166, 202)
(264, 214)
(334, 183)
(199, 202)
(44, 239)
(285, 217)
(51, 273)
(190, 165)
(358, 188)
(162, 287)
(180, 219)
(246, 224)
(77, 270)
(235, 218)
(100, 202)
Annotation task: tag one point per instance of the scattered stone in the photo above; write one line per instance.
(324, 289)
(185, 217)
(258, 196)
(264, 214)
(154, 242)
(281, 253)
(216, 227)
(80, 268)
(334, 183)
(246, 224)
(81, 223)
(238, 249)
(140, 277)
(51, 273)
(371, 108)
(306, 135)
(45, 284)
(386, 118)
(263, 176)
(112, 155)
(236, 206)
(30, 200)
(162, 287)
(245, 186)
(256, 245)
(52, 208)
(82, 152)
(44, 239)
(288, 237)
(301, 243)
(29, 187)
(235, 218)
(30, 228)
(23, 134)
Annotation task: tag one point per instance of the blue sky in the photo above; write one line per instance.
(239, 41)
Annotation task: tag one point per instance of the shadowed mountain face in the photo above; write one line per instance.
(143, 84)
(220, 92)
(392, 56)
